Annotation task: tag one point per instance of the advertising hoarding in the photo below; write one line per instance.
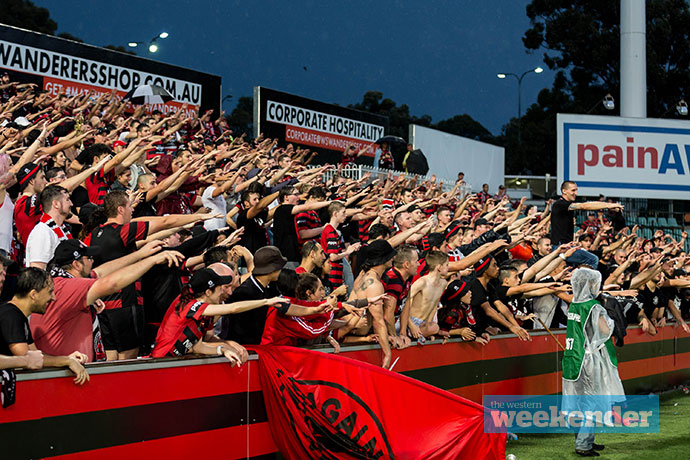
(325, 128)
(625, 157)
(56, 65)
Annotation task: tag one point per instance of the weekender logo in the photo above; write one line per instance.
(567, 414)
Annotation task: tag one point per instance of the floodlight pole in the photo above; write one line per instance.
(519, 80)
(633, 93)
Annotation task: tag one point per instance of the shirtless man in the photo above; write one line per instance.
(425, 293)
(368, 285)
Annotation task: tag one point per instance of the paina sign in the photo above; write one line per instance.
(625, 157)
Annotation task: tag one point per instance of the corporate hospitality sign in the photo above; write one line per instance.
(325, 128)
(625, 157)
(59, 65)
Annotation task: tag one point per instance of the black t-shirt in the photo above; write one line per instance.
(145, 209)
(515, 303)
(562, 222)
(673, 294)
(479, 296)
(247, 328)
(255, 235)
(651, 300)
(115, 241)
(14, 328)
(285, 233)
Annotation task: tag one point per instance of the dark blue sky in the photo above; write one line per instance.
(439, 57)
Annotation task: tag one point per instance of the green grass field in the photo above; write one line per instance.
(672, 442)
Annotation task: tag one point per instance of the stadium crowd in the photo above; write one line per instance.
(125, 234)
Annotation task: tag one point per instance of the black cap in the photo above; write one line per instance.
(413, 208)
(483, 264)
(207, 279)
(268, 259)
(86, 210)
(453, 229)
(70, 250)
(454, 292)
(379, 252)
(26, 173)
(481, 221)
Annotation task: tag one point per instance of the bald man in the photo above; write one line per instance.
(224, 270)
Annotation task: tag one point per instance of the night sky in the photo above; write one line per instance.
(439, 57)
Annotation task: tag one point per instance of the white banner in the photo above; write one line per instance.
(286, 114)
(448, 154)
(625, 157)
(71, 68)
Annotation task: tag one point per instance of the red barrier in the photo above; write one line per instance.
(192, 407)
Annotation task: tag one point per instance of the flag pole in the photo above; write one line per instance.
(550, 333)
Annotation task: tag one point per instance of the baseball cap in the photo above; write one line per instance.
(207, 279)
(481, 266)
(481, 221)
(454, 292)
(26, 173)
(70, 250)
(453, 229)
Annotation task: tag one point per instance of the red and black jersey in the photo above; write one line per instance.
(115, 241)
(430, 210)
(397, 287)
(281, 329)
(98, 185)
(332, 243)
(455, 317)
(306, 220)
(363, 229)
(181, 330)
(27, 213)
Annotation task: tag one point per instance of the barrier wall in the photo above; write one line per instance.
(194, 407)
(448, 154)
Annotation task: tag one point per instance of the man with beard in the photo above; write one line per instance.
(49, 231)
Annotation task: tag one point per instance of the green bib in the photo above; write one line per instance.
(578, 313)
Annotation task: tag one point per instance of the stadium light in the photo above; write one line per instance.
(609, 103)
(519, 80)
(151, 45)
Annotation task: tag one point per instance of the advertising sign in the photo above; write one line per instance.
(57, 65)
(625, 157)
(326, 128)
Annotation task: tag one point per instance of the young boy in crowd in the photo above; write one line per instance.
(418, 315)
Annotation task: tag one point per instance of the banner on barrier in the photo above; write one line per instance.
(323, 406)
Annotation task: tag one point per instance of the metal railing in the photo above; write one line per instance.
(356, 172)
